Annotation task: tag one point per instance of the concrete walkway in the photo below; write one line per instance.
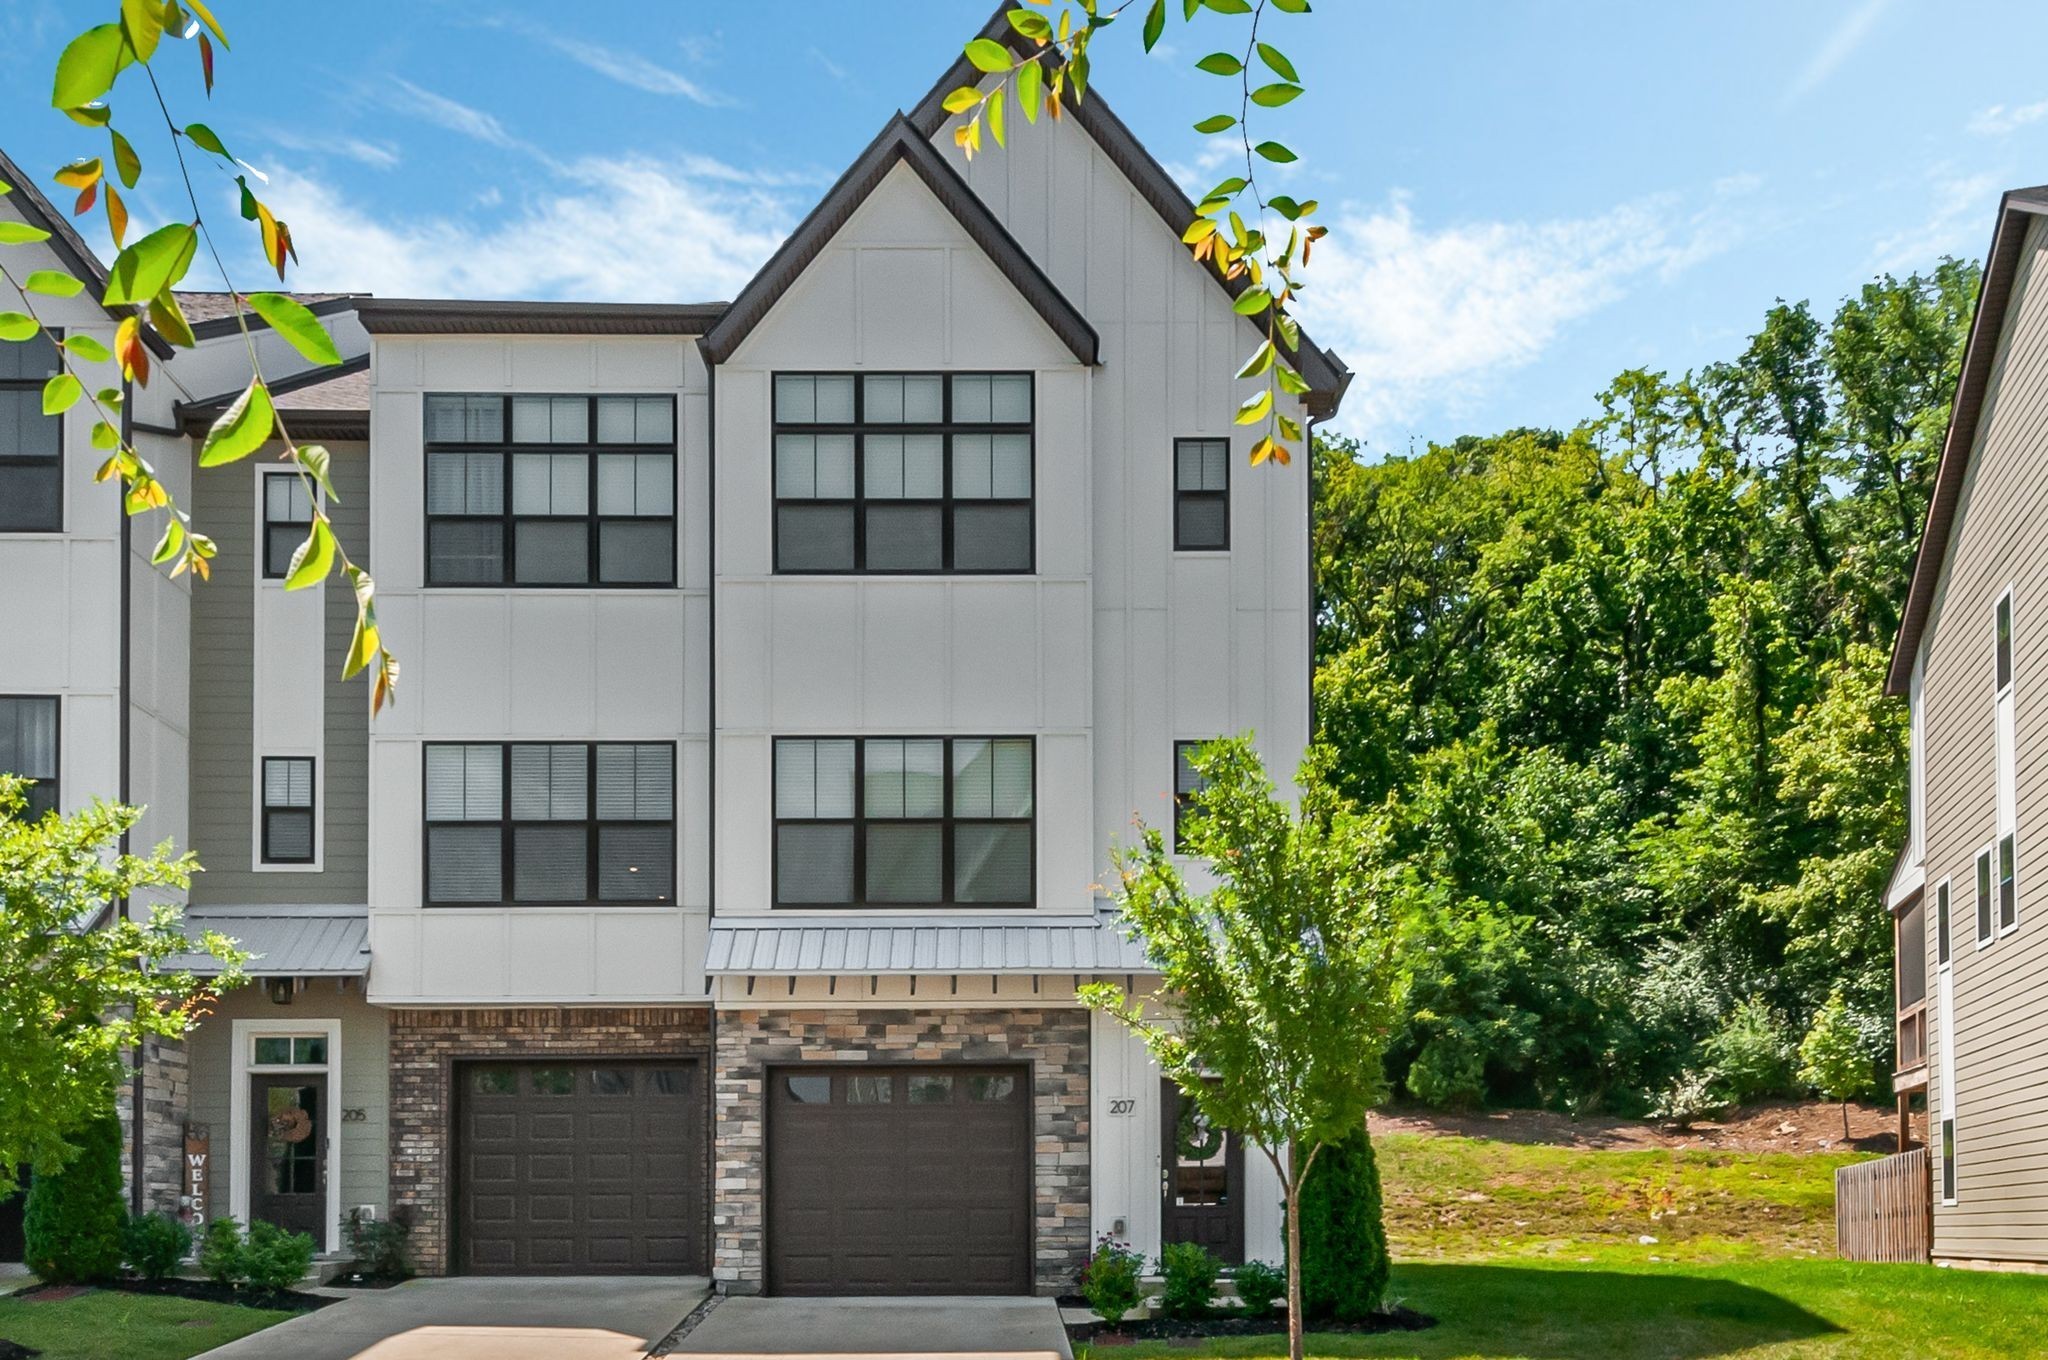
(962, 1329)
(615, 1318)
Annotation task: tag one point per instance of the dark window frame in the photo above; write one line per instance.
(54, 462)
(312, 809)
(2002, 644)
(1180, 800)
(300, 527)
(948, 504)
(1180, 496)
(1948, 1160)
(508, 520)
(54, 781)
(507, 827)
(859, 823)
(1986, 916)
(1943, 951)
(2005, 865)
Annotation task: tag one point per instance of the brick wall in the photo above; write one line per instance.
(426, 1045)
(1053, 1040)
(166, 1105)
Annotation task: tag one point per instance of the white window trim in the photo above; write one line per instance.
(1940, 1159)
(2004, 739)
(312, 749)
(243, 1035)
(1989, 851)
(257, 863)
(1946, 888)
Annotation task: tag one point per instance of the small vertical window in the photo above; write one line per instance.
(286, 513)
(2004, 641)
(31, 443)
(1948, 1161)
(1187, 782)
(2008, 898)
(28, 747)
(1984, 897)
(1941, 924)
(1201, 495)
(287, 810)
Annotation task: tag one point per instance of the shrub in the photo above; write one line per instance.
(273, 1258)
(73, 1224)
(1751, 1056)
(1690, 1097)
(220, 1251)
(1832, 1058)
(379, 1246)
(1110, 1280)
(1259, 1287)
(1343, 1242)
(1188, 1272)
(156, 1243)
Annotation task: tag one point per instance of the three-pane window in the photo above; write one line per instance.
(550, 491)
(554, 822)
(904, 821)
(903, 472)
(1201, 495)
(28, 747)
(31, 443)
(287, 513)
(287, 809)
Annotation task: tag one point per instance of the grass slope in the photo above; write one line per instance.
(107, 1324)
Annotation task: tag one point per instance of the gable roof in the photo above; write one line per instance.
(330, 402)
(900, 143)
(1326, 374)
(77, 256)
(463, 316)
(2016, 212)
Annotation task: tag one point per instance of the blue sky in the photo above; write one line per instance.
(1525, 198)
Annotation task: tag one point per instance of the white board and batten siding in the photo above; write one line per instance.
(508, 664)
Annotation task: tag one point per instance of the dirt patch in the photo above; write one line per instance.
(1776, 1126)
(50, 1293)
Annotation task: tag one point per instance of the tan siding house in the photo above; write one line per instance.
(1973, 655)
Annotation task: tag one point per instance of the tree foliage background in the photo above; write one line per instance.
(1620, 689)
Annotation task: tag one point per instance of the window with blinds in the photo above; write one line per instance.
(287, 519)
(1187, 782)
(550, 822)
(903, 473)
(550, 490)
(904, 822)
(1201, 495)
(288, 810)
(28, 747)
(31, 442)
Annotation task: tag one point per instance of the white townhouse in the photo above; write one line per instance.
(778, 674)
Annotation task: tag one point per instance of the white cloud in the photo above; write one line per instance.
(1427, 315)
(1840, 44)
(2000, 120)
(611, 230)
(1958, 213)
(376, 155)
(627, 68)
(456, 117)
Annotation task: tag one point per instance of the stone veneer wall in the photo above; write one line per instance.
(425, 1046)
(166, 1105)
(1053, 1040)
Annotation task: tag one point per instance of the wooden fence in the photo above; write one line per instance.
(1884, 1209)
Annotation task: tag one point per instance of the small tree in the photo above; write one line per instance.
(75, 996)
(75, 1224)
(1279, 988)
(1344, 1259)
(1831, 1057)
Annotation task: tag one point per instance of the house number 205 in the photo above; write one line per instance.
(1122, 1104)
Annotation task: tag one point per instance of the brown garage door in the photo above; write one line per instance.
(580, 1168)
(906, 1180)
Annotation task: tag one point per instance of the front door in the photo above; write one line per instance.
(1201, 1180)
(288, 1153)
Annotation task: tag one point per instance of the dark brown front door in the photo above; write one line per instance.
(580, 1167)
(1202, 1180)
(899, 1180)
(288, 1168)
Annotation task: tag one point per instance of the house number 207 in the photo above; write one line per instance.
(1122, 1104)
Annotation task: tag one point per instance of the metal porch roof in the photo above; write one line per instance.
(1097, 944)
(284, 941)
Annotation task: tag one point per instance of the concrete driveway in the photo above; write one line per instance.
(962, 1329)
(484, 1319)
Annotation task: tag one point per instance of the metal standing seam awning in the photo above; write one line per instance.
(283, 941)
(1097, 944)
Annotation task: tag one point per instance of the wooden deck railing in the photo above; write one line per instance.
(1884, 1209)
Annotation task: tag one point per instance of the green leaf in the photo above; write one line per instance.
(1216, 122)
(167, 546)
(313, 559)
(1252, 301)
(169, 319)
(1030, 89)
(317, 462)
(206, 139)
(995, 117)
(198, 7)
(1034, 26)
(1277, 59)
(1255, 407)
(17, 326)
(250, 205)
(290, 319)
(1228, 6)
(151, 265)
(1275, 152)
(144, 21)
(241, 429)
(1261, 360)
(21, 234)
(988, 55)
(1155, 23)
(1288, 6)
(959, 101)
(1273, 96)
(90, 115)
(88, 65)
(126, 163)
(88, 349)
(1220, 64)
(53, 283)
(1234, 185)
(61, 393)
(1291, 382)
(105, 436)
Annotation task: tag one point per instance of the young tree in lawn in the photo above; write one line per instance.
(1832, 1059)
(75, 998)
(1280, 987)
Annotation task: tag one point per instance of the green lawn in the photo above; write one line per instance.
(107, 1324)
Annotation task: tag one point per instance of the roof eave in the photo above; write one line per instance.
(71, 248)
(454, 316)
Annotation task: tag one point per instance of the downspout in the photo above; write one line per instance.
(1308, 451)
(711, 795)
(125, 793)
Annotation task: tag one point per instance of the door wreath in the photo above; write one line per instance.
(1195, 1139)
(291, 1126)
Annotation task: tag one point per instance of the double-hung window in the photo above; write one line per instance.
(550, 490)
(2005, 849)
(550, 822)
(287, 809)
(287, 519)
(28, 746)
(904, 822)
(31, 443)
(903, 472)
(1984, 907)
(1201, 495)
(1187, 782)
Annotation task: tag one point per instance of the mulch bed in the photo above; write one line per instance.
(204, 1291)
(348, 1279)
(1396, 1319)
(14, 1350)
